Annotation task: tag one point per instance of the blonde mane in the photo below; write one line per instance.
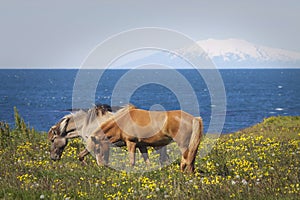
(121, 112)
(125, 109)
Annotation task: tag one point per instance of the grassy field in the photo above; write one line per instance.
(260, 162)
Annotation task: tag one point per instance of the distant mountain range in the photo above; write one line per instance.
(240, 53)
(229, 53)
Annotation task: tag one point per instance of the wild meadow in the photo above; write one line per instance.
(260, 162)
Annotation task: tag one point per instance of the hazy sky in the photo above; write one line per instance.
(45, 34)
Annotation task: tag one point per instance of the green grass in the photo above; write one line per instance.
(260, 162)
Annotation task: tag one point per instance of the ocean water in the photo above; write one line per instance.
(44, 96)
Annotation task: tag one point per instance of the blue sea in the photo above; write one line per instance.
(42, 97)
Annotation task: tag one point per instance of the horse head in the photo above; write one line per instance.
(80, 123)
(57, 136)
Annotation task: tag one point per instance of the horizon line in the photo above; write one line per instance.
(125, 68)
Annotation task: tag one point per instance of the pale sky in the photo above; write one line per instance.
(60, 34)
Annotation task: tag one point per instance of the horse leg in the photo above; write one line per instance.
(81, 156)
(93, 146)
(163, 156)
(189, 156)
(105, 151)
(145, 155)
(189, 150)
(195, 139)
(102, 153)
(183, 149)
(183, 162)
(188, 161)
(99, 153)
(131, 146)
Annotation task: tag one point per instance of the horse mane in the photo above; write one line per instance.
(104, 108)
(94, 112)
(121, 112)
(125, 108)
(63, 123)
(89, 115)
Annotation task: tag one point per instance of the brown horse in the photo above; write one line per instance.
(141, 128)
(82, 124)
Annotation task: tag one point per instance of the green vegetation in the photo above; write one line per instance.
(260, 162)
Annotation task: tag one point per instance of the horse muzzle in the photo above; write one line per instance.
(55, 157)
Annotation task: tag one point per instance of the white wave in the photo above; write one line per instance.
(279, 109)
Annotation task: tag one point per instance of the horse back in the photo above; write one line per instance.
(179, 121)
(148, 126)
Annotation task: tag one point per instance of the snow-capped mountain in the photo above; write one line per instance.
(240, 53)
(229, 53)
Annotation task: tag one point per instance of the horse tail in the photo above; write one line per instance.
(197, 132)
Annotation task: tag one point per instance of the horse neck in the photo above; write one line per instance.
(87, 127)
(106, 116)
(120, 113)
(72, 126)
(77, 122)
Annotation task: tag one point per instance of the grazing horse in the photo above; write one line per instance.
(141, 128)
(79, 124)
(82, 124)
